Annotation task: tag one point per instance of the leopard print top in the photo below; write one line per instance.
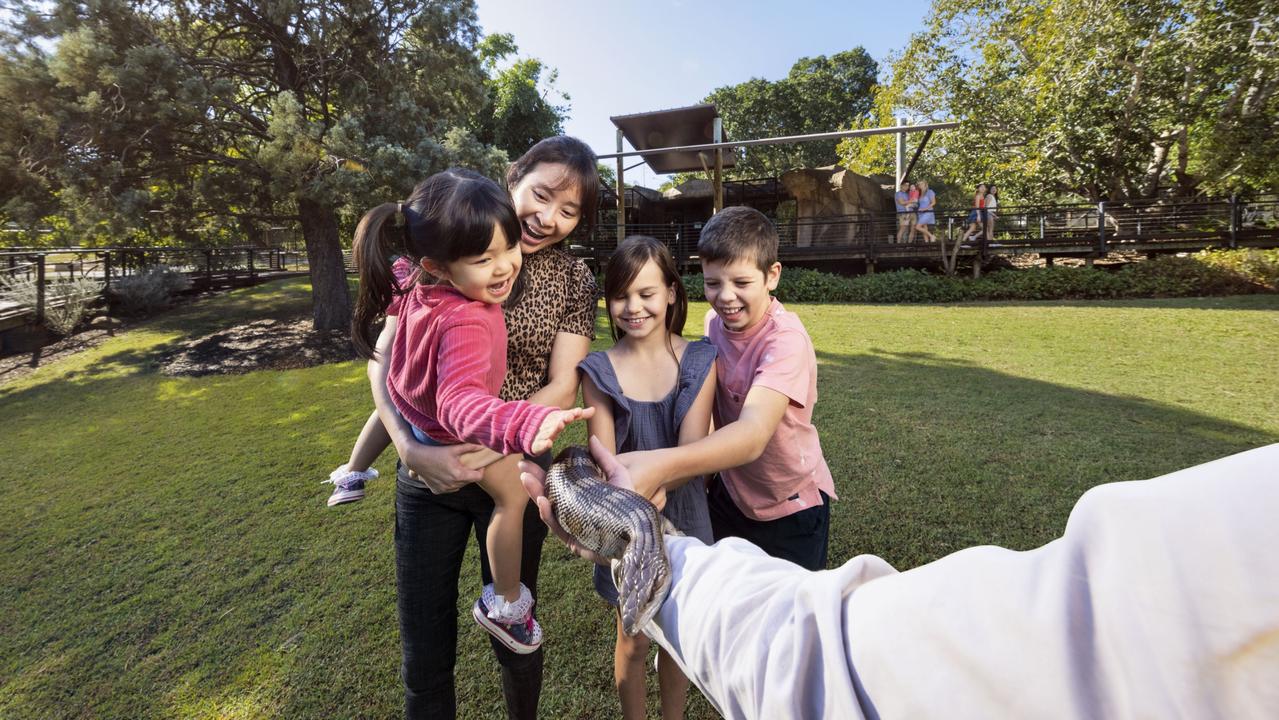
(559, 295)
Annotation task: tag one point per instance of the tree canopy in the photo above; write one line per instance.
(194, 121)
(1116, 100)
(819, 94)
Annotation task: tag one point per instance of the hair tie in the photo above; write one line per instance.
(404, 220)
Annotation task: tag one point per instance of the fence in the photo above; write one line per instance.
(1077, 228)
(207, 267)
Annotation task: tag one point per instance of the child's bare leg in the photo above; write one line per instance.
(506, 529)
(629, 655)
(369, 446)
(674, 686)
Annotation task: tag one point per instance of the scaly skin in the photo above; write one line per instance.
(620, 525)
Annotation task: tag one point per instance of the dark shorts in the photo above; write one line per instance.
(801, 538)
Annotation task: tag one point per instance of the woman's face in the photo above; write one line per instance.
(549, 204)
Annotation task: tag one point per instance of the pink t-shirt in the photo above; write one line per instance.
(776, 354)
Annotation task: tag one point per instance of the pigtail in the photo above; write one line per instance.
(376, 241)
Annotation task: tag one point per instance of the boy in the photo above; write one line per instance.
(777, 490)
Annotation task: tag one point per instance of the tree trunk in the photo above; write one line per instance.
(330, 300)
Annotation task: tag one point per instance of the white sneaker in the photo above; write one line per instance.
(348, 485)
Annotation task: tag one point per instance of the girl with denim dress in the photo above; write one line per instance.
(653, 389)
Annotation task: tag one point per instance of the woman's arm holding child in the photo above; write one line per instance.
(560, 390)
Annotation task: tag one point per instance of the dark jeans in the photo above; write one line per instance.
(801, 538)
(431, 533)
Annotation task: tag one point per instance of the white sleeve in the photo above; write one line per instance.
(1160, 600)
(759, 636)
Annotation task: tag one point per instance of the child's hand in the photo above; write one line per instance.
(554, 424)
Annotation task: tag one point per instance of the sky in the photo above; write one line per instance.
(623, 57)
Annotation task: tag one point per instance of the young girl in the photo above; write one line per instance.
(652, 389)
(977, 216)
(445, 347)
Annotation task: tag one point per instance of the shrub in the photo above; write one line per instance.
(804, 285)
(906, 286)
(1255, 265)
(1216, 272)
(694, 287)
(67, 301)
(148, 291)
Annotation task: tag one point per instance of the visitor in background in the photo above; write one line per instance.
(992, 204)
(913, 206)
(977, 215)
(905, 214)
(925, 216)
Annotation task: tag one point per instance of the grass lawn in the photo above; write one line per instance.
(166, 552)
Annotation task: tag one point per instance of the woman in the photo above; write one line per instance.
(555, 187)
(976, 216)
(925, 217)
(992, 204)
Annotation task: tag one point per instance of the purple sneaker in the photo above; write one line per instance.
(348, 485)
(521, 637)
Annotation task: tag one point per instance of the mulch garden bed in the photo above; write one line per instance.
(259, 345)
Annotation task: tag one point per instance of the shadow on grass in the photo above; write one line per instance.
(931, 455)
(1258, 301)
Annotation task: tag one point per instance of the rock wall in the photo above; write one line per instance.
(827, 194)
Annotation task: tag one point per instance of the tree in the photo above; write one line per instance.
(517, 109)
(209, 114)
(1122, 100)
(819, 94)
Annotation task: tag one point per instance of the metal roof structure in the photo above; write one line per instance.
(692, 125)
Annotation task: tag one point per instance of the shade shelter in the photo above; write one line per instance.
(652, 132)
(692, 138)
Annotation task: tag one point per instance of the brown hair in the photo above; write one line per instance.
(626, 262)
(448, 216)
(580, 160)
(739, 233)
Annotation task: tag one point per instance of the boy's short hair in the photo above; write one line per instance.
(739, 233)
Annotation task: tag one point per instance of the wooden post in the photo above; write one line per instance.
(901, 154)
(621, 193)
(1048, 260)
(106, 270)
(40, 289)
(208, 269)
(252, 272)
(1101, 227)
(719, 166)
(1234, 220)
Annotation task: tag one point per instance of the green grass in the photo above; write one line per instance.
(166, 551)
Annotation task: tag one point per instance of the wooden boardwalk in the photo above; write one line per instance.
(1078, 230)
